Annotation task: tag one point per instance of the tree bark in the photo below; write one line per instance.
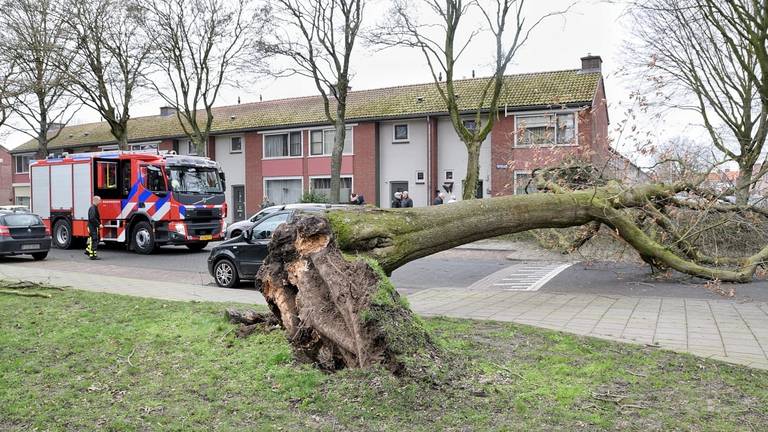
(469, 187)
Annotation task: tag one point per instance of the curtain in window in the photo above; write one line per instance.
(284, 191)
(322, 186)
(566, 128)
(276, 146)
(295, 144)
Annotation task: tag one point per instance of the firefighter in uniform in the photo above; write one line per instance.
(94, 223)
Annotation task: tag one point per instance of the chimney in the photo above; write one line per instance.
(591, 63)
(166, 111)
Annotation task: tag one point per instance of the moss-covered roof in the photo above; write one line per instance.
(523, 90)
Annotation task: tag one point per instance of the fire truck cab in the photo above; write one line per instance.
(149, 199)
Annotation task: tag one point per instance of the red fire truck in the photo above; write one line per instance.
(148, 198)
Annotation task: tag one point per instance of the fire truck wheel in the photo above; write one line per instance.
(197, 246)
(143, 238)
(62, 234)
(225, 274)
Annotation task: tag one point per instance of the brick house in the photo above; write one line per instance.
(399, 138)
(6, 177)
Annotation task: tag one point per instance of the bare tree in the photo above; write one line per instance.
(319, 38)
(702, 63)
(33, 44)
(199, 46)
(439, 37)
(109, 54)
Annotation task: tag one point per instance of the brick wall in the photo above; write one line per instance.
(6, 177)
(364, 168)
(254, 186)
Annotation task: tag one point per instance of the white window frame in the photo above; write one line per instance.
(514, 179)
(191, 148)
(284, 132)
(349, 176)
(423, 175)
(523, 115)
(264, 181)
(407, 138)
(350, 133)
(29, 157)
(230, 145)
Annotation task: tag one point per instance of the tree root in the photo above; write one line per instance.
(251, 321)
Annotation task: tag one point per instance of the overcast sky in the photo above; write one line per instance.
(592, 26)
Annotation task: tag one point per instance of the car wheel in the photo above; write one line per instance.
(38, 256)
(235, 234)
(62, 234)
(225, 274)
(197, 246)
(143, 238)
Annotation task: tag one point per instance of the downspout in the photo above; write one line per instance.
(430, 186)
(377, 158)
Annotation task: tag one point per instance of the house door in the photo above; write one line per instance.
(238, 202)
(396, 186)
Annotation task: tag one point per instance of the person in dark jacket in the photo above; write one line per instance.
(94, 223)
(398, 201)
(439, 196)
(357, 199)
(407, 201)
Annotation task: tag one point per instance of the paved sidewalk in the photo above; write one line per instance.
(721, 329)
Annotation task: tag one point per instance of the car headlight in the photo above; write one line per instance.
(178, 227)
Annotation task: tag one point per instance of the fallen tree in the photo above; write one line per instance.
(325, 278)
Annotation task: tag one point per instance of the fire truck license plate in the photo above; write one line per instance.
(206, 237)
(30, 246)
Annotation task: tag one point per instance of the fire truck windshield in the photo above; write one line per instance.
(185, 179)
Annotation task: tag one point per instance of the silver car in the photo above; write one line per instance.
(237, 228)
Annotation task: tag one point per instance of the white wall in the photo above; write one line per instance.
(233, 165)
(452, 155)
(400, 161)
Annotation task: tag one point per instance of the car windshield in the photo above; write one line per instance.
(22, 220)
(194, 180)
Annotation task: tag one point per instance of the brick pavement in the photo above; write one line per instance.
(721, 329)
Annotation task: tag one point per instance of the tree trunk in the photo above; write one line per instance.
(325, 277)
(469, 187)
(336, 158)
(744, 184)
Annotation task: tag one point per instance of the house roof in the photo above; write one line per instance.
(568, 87)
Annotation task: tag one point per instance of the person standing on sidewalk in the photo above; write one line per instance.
(406, 202)
(94, 223)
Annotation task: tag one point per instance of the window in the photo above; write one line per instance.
(282, 145)
(235, 145)
(322, 186)
(191, 148)
(547, 129)
(283, 191)
(321, 142)
(106, 148)
(401, 132)
(471, 125)
(22, 201)
(265, 229)
(106, 175)
(154, 180)
(521, 182)
(21, 162)
(142, 146)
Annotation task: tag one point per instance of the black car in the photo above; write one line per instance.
(240, 258)
(23, 233)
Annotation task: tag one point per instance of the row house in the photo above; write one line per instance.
(398, 138)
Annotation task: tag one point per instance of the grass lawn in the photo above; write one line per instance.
(87, 361)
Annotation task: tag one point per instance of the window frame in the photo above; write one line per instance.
(231, 141)
(351, 178)
(350, 134)
(521, 116)
(477, 125)
(395, 139)
(515, 173)
(191, 149)
(264, 181)
(28, 156)
(288, 140)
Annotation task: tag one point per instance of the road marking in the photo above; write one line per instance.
(521, 277)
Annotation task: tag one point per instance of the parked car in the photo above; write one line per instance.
(239, 258)
(237, 228)
(18, 208)
(23, 233)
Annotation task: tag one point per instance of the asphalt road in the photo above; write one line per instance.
(456, 268)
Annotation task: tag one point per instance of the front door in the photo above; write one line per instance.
(238, 202)
(396, 186)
